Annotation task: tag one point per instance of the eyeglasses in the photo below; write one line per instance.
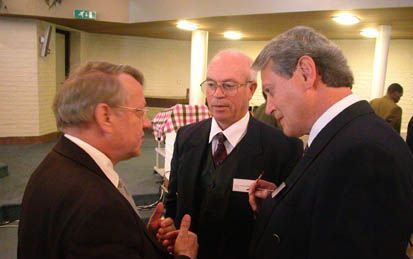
(138, 111)
(229, 88)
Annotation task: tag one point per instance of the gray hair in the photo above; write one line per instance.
(94, 83)
(237, 54)
(286, 49)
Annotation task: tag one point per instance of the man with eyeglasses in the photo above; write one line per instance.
(351, 195)
(75, 205)
(215, 160)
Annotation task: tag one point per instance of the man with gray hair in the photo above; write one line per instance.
(215, 160)
(351, 195)
(75, 205)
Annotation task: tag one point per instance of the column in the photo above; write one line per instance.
(380, 61)
(199, 56)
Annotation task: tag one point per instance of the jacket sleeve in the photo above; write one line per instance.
(171, 197)
(395, 118)
(111, 231)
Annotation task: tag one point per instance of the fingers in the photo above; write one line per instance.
(157, 213)
(168, 222)
(166, 226)
(172, 235)
(251, 196)
(185, 224)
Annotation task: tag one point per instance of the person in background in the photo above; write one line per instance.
(386, 107)
(260, 114)
(351, 194)
(75, 205)
(215, 160)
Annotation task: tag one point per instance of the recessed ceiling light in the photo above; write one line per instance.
(185, 25)
(369, 32)
(346, 19)
(233, 35)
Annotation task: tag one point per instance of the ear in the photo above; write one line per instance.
(252, 88)
(308, 69)
(104, 117)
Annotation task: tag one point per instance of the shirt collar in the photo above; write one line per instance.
(330, 114)
(233, 133)
(101, 159)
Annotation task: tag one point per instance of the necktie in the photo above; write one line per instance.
(122, 189)
(221, 152)
(305, 149)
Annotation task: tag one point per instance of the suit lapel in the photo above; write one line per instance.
(72, 151)
(250, 150)
(195, 153)
(317, 146)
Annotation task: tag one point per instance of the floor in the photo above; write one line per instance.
(137, 173)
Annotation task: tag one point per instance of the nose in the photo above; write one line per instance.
(219, 92)
(147, 124)
(269, 108)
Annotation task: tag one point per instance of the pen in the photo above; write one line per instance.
(259, 177)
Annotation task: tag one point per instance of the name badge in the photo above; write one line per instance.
(241, 185)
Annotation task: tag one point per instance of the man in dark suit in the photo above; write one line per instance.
(75, 205)
(215, 160)
(351, 195)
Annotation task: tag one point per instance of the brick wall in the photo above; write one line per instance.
(165, 63)
(19, 107)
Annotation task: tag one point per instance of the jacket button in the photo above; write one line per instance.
(276, 238)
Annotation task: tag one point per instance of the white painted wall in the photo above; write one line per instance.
(164, 63)
(19, 109)
(360, 55)
(46, 84)
(158, 10)
(27, 81)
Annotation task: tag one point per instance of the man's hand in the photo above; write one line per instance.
(160, 227)
(186, 242)
(155, 220)
(258, 191)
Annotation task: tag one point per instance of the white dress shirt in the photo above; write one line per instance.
(101, 159)
(233, 133)
(330, 114)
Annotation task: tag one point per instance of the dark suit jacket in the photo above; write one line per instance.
(409, 136)
(265, 149)
(70, 209)
(351, 196)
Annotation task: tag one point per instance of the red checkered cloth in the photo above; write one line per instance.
(177, 116)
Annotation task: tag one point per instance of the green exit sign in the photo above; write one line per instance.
(84, 14)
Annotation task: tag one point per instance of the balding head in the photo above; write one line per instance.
(229, 86)
(238, 61)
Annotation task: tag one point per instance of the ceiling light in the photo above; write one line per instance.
(346, 19)
(233, 35)
(185, 25)
(369, 32)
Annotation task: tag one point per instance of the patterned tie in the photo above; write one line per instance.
(122, 189)
(221, 152)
